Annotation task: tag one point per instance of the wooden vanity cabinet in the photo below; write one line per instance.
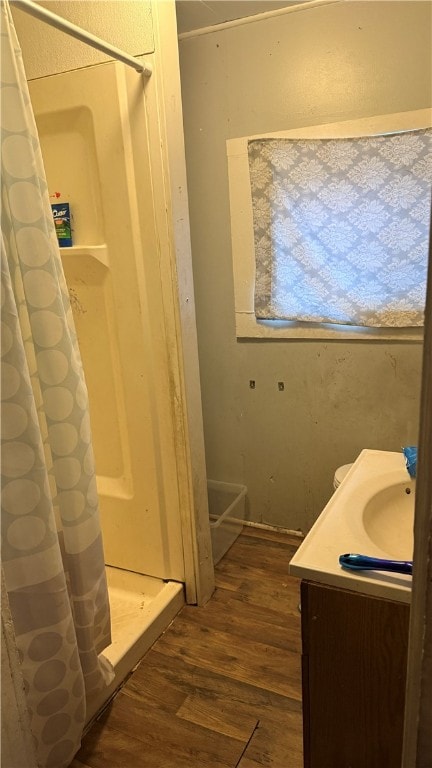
(354, 659)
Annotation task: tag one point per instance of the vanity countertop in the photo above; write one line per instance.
(353, 522)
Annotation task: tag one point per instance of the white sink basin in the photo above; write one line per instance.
(388, 519)
(371, 513)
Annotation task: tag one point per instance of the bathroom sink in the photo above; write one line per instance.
(388, 519)
(371, 513)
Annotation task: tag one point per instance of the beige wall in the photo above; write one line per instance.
(323, 64)
(126, 24)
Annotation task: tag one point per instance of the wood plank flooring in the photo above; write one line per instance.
(222, 687)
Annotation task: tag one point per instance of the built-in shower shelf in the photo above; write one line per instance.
(99, 252)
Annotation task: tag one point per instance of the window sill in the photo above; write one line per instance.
(248, 327)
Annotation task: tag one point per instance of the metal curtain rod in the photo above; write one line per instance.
(81, 34)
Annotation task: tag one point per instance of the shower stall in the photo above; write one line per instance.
(93, 132)
(110, 152)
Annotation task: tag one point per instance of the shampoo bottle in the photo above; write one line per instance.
(62, 222)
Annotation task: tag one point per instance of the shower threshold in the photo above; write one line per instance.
(142, 607)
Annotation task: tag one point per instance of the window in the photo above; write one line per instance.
(313, 256)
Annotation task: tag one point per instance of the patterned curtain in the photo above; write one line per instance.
(341, 228)
(52, 554)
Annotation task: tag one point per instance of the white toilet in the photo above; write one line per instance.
(340, 475)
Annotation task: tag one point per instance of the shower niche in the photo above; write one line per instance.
(93, 133)
(68, 142)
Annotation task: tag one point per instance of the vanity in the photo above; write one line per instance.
(355, 623)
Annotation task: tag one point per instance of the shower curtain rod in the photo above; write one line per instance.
(81, 34)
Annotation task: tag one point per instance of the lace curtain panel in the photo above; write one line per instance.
(341, 228)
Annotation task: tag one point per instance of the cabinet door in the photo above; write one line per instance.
(354, 665)
(95, 162)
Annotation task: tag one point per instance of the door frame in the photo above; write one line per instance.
(168, 164)
(417, 749)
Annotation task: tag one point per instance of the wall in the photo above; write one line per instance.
(321, 64)
(194, 14)
(126, 25)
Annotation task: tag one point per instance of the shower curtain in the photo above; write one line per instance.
(52, 554)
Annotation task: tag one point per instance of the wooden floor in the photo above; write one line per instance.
(222, 687)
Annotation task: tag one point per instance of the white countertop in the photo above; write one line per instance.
(340, 529)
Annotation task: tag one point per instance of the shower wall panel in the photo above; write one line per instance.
(92, 161)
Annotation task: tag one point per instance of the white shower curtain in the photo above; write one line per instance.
(52, 554)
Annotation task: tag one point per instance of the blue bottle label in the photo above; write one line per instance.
(62, 222)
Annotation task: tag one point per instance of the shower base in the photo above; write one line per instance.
(141, 609)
